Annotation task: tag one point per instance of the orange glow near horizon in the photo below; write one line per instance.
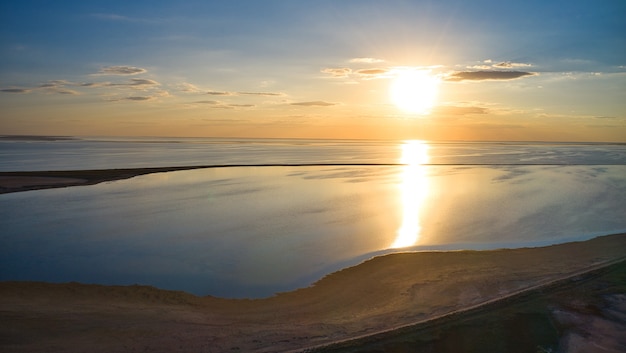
(414, 189)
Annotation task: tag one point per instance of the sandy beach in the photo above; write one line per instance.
(381, 296)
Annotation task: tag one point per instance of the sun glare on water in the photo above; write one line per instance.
(413, 191)
(414, 91)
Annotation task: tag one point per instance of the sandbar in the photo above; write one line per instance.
(384, 294)
(16, 181)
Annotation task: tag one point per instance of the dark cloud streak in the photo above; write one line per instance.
(225, 93)
(314, 104)
(135, 82)
(15, 90)
(121, 70)
(487, 75)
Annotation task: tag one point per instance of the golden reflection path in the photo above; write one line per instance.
(413, 190)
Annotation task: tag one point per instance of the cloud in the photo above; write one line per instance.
(63, 91)
(49, 87)
(15, 90)
(121, 18)
(508, 65)
(225, 93)
(219, 93)
(372, 72)
(337, 72)
(135, 82)
(58, 87)
(153, 95)
(488, 64)
(460, 110)
(93, 84)
(111, 17)
(207, 102)
(133, 98)
(56, 83)
(121, 70)
(266, 94)
(480, 67)
(366, 60)
(188, 87)
(314, 104)
(487, 75)
(222, 105)
(139, 98)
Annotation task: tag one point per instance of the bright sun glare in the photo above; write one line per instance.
(414, 91)
(413, 190)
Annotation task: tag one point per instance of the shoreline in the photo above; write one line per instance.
(507, 299)
(386, 294)
(18, 181)
(376, 300)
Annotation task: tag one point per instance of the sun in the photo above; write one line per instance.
(414, 91)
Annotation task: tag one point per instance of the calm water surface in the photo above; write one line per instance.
(255, 231)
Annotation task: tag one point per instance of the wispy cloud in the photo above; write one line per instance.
(219, 93)
(188, 87)
(226, 93)
(110, 16)
(222, 105)
(122, 18)
(366, 60)
(135, 83)
(266, 94)
(121, 70)
(63, 91)
(372, 72)
(459, 110)
(66, 87)
(480, 67)
(606, 117)
(50, 88)
(338, 72)
(367, 73)
(137, 98)
(15, 90)
(491, 65)
(58, 87)
(207, 102)
(484, 75)
(509, 64)
(150, 96)
(314, 104)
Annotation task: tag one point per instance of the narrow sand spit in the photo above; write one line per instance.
(35, 180)
(380, 294)
(17, 181)
(32, 182)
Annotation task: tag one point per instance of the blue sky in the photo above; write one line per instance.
(313, 68)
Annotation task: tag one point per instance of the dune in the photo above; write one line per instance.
(384, 294)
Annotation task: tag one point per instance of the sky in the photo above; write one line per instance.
(503, 70)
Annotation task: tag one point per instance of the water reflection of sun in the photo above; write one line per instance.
(413, 189)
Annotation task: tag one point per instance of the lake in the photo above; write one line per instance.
(257, 230)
